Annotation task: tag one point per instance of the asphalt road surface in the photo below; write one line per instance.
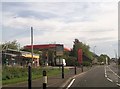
(99, 76)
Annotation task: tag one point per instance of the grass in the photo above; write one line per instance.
(50, 72)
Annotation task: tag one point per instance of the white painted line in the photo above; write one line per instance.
(109, 79)
(105, 72)
(105, 75)
(70, 83)
(114, 72)
(118, 84)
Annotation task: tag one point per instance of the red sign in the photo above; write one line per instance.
(80, 56)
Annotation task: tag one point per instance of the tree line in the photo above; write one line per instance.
(71, 57)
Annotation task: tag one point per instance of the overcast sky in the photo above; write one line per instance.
(93, 23)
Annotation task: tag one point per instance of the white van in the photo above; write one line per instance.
(59, 62)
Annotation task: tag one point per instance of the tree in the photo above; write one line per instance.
(102, 58)
(11, 45)
(85, 48)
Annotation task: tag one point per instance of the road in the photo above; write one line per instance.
(99, 76)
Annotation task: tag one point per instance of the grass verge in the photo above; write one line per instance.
(50, 72)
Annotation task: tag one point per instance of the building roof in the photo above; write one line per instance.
(67, 49)
(46, 46)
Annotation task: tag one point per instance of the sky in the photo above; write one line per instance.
(93, 23)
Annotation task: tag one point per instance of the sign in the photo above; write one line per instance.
(80, 56)
(59, 50)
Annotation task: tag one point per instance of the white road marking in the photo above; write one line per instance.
(117, 81)
(118, 84)
(114, 72)
(109, 79)
(105, 75)
(105, 72)
(70, 83)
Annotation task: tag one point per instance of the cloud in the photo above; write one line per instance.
(90, 22)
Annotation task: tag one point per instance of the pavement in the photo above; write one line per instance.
(53, 81)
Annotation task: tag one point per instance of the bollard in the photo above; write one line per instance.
(75, 70)
(82, 67)
(29, 76)
(62, 71)
(44, 79)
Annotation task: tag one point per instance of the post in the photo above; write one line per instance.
(82, 67)
(32, 42)
(59, 63)
(62, 70)
(29, 76)
(75, 66)
(44, 79)
(75, 70)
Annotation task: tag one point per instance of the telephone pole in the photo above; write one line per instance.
(32, 43)
(30, 63)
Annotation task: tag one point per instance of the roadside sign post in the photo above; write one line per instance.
(80, 54)
(59, 63)
(29, 76)
(59, 53)
(81, 67)
(75, 70)
(62, 70)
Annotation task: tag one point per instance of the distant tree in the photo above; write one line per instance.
(85, 48)
(102, 58)
(11, 45)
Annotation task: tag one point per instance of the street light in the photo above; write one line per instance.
(115, 53)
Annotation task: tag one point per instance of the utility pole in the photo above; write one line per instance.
(32, 42)
(30, 63)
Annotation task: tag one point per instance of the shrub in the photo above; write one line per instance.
(86, 63)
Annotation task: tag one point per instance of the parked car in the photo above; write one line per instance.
(102, 63)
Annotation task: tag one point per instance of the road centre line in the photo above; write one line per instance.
(70, 83)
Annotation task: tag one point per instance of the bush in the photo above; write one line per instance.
(86, 63)
(13, 72)
(71, 61)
